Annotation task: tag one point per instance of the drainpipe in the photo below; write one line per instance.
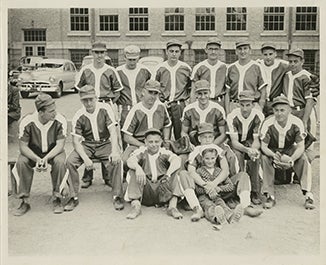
(92, 15)
(290, 27)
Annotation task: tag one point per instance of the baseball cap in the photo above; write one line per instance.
(280, 100)
(214, 40)
(296, 52)
(205, 128)
(87, 91)
(241, 43)
(173, 42)
(246, 95)
(98, 46)
(268, 45)
(43, 100)
(132, 52)
(153, 85)
(201, 85)
(153, 131)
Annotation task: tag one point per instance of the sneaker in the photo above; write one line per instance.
(237, 214)
(252, 212)
(57, 206)
(108, 182)
(220, 215)
(86, 184)
(269, 203)
(23, 208)
(118, 203)
(255, 198)
(135, 210)
(198, 214)
(174, 212)
(309, 204)
(72, 204)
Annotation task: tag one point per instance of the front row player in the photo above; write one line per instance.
(151, 166)
(282, 145)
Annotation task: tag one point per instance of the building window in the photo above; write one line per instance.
(310, 60)
(34, 35)
(273, 18)
(77, 56)
(41, 51)
(306, 18)
(200, 55)
(28, 50)
(114, 55)
(138, 19)
(230, 56)
(236, 18)
(109, 23)
(79, 19)
(174, 19)
(205, 19)
(143, 53)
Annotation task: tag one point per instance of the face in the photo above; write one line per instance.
(153, 143)
(203, 96)
(209, 159)
(243, 52)
(246, 107)
(49, 113)
(99, 57)
(131, 62)
(281, 112)
(173, 53)
(206, 138)
(212, 51)
(269, 56)
(295, 63)
(89, 104)
(149, 96)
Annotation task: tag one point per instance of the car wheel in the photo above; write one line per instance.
(58, 93)
(24, 94)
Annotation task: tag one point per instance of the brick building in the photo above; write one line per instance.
(68, 33)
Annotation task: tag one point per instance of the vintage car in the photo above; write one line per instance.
(51, 76)
(152, 63)
(88, 59)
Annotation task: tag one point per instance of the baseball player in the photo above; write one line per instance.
(174, 77)
(212, 70)
(243, 128)
(146, 114)
(94, 136)
(133, 77)
(42, 136)
(14, 109)
(152, 167)
(240, 180)
(282, 145)
(244, 74)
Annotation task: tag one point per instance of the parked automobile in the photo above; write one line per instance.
(89, 59)
(51, 76)
(151, 62)
(14, 73)
(31, 61)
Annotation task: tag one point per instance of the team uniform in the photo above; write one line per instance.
(133, 81)
(155, 167)
(244, 77)
(140, 119)
(41, 139)
(92, 129)
(175, 85)
(215, 75)
(14, 109)
(284, 140)
(246, 129)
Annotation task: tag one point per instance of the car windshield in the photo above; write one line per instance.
(50, 65)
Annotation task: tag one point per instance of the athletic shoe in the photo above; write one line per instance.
(135, 210)
(252, 212)
(22, 209)
(72, 204)
(255, 198)
(57, 206)
(220, 215)
(269, 203)
(174, 212)
(118, 203)
(198, 214)
(86, 184)
(309, 204)
(237, 214)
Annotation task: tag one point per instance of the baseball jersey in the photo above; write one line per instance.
(245, 128)
(274, 77)
(193, 115)
(175, 81)
(244, 77)
(279, 138)
(133, 81)
(42, 138)
(93, 126)
(214, 74)
(105, 80)
(195, 157)
(154, 165)
(296, 88)
(140, 119)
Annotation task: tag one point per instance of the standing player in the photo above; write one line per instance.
(243, 127)
(212, 70)
(244, 74)
(174, 78)
(42, 138)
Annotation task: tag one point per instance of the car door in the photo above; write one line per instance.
(71, 72)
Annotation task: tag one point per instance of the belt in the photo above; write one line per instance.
(124, 107)
(96, 142)
(298, 107)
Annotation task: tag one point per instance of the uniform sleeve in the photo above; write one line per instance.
(115, 81)
(220, 118)
(77, 127)
(265, 135)
(167, 120)
(261, 77)
(306, 89)
(186, 118)
(300, 133)
(80, 79)
(258, 123)
(231, 128)
(24, 132)
(195, 75)
(62, 129)
(131, 123)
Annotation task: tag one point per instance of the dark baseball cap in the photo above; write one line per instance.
(296, 52)
(43, 100)
(153, 131)
(214, 40)
(173, 42)
(201, 85)
(98, 46)
(205, 128)
(87, 91)
(280, 100)
(268, 45)
(153, 85)
(246, 95)
(241, 43)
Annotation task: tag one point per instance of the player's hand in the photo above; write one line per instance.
(212, 194)
(41, 164)
(114, 158)
(166, 144)
(140, 176)
(209, 187)
(253, 154)
(277, 156)
(89, 164)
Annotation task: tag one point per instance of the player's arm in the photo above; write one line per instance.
(237, 145)
(299, 149)
(195, 176)
(307, 111)
(263, 95)
(60, 144)
(268, 152)
(166, 133)
(224, 173)
(185, 130)
(133, 163)
(227, 101)
(175, 164)
(129, 139)
(26, 151)
(76, 141)
(222, 137)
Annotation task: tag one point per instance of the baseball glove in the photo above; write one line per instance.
(314, 85)
(181, 146)
(283, 163)
(164, 190)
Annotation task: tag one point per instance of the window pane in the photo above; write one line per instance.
(236, 18)
(79, 19)
(306, 18)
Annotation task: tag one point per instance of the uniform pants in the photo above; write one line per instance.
(301, 167)
(25, 174)
(100, 151)
(175, 111)
(252, 168)
(232, 159)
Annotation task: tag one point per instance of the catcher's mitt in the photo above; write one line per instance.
(164, 190)
(314, 85)
(284, 163)
(181, 146)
